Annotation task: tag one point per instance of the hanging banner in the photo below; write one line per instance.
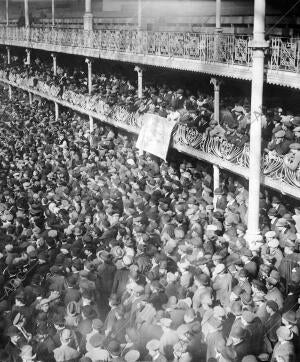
(155, 135)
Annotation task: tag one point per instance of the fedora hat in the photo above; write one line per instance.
(290, 316)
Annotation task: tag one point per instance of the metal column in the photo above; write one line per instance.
(259, 45)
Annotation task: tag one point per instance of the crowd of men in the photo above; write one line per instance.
(280, 129)
(109, 255)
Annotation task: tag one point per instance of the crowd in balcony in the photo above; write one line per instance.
(280, 129)
(110, 255)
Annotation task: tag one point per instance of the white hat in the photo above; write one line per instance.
(274, 243)
(211, 227)
(270, 234)
(165, 322)
(153, 345)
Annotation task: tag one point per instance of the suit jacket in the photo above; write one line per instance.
(221, 203)
(105, 278)
(256, 333)
(251, 268)
(13, 352)
(271, 325)
(120, 281)
(222, 285)
(242, 349)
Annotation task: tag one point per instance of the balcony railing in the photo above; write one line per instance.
(284, 54)
(276, 170)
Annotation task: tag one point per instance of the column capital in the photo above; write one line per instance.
(89, 61)
(259, 44)
(218, 31)
(138, 69)
(53, 55)
(216, 82)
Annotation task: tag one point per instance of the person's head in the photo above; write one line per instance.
(13, 333)
(65, 336)
(279, 136)
(284, 334)
(271, 307)
(44, 305)
(165, 323)
(153, 347)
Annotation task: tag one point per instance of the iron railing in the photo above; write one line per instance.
(276, 167)
(284, 53)
(207, 48)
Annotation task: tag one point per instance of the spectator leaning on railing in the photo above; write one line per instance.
(278, 130)
(136, 259)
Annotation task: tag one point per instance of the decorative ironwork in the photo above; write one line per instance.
(241, 51)
(207, 48)
(272, 165)
(192, 49)
(285, 54)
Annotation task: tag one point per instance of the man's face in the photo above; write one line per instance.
(14, 339)
(269, 286)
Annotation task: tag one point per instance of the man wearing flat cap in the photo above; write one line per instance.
(279, 144)
(278, 206)
(154, 353)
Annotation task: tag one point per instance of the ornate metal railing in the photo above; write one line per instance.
(207, 48)
(275, 167)
(284, 53)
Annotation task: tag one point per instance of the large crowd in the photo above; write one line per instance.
(107, 254)
(280, 128)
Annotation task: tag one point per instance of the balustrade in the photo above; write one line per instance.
(284, 53)
(274, 166)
